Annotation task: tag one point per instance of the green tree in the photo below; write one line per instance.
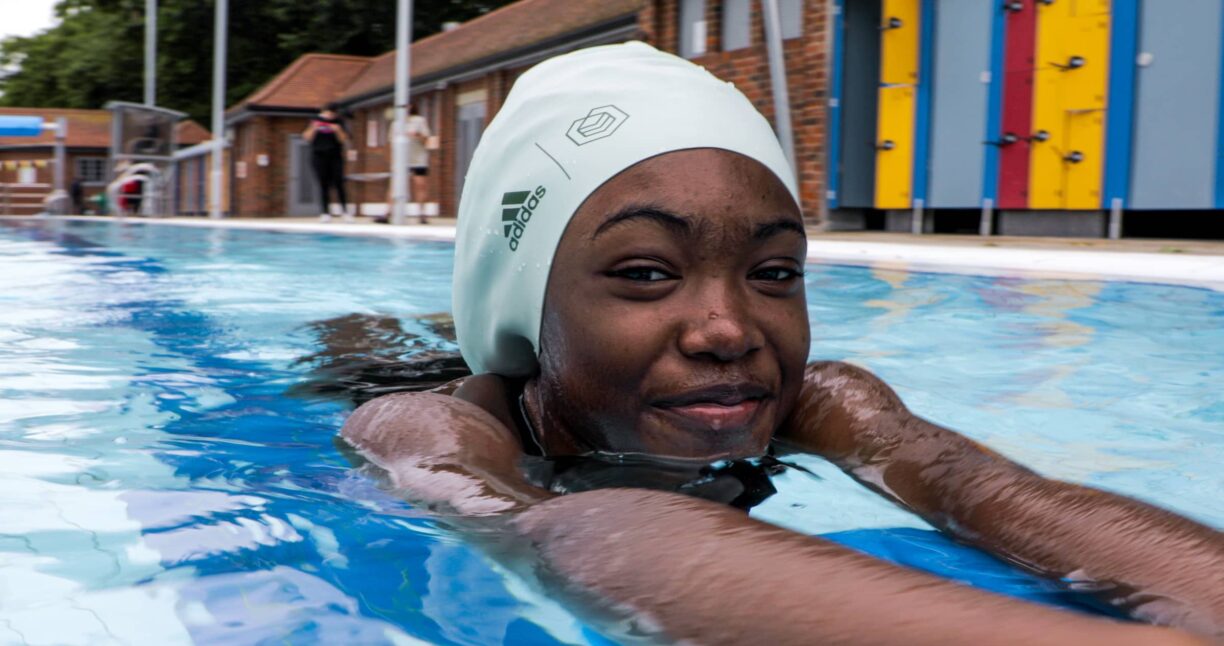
(95, 53)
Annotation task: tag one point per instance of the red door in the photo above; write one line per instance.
(1018, 65)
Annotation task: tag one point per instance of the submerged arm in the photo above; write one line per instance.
(1155, 565)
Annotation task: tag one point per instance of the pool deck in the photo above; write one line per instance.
(1198, 263)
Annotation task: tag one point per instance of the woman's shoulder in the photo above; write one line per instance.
(399, 424)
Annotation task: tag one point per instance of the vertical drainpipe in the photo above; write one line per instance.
(221, 25)
(922, 108)
(1219, 187)
(777, 78)
(994, 118)
(150, 88)
(1119, 109)
(833, 72)
(399, 139)
(61, 160)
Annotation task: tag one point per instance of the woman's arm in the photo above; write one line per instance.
(686, 568)
(700, 572)
(309, 133)
(1151, 563)
(444, 453)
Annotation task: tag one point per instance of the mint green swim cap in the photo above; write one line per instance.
(570, 124)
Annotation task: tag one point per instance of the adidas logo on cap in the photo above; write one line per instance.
(517, 207)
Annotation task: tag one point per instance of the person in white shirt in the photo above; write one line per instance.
(418, 160)
(419, 135)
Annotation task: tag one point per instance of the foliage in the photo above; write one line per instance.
(96, 52)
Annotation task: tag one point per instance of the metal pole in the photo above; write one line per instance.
(916, 220)
(61, 138)
(986, 225)
(399, 139)
(1115, 219)
(150, 89)
(221, 25)
(777, 78)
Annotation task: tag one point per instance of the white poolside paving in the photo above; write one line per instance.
(1191, 269)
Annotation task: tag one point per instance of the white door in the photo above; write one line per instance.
(303, 188)
(469, 125)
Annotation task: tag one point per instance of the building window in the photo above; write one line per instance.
(790, 13)
(91, 170)
(248, 140)
(692, 28)
(736, 24)
(372, 130)
(27, 175)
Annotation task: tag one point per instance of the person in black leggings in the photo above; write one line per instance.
(327, 142)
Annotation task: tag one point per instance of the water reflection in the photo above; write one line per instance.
(364, 356)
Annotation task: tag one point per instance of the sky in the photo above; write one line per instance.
(25, 17)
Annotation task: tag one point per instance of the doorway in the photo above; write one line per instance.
(303, 189)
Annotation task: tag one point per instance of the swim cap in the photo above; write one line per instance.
(570, 124)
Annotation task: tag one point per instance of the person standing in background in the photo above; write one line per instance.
(327, 142)
(419, 136)
(418, 163)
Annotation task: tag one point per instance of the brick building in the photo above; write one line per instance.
(461, 77)
(27, 167)
(269, 165)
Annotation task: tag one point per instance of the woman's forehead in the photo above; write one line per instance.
(701, 187)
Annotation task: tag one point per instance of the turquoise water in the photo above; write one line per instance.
(168, 473)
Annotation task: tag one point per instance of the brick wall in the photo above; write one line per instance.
(11, 205)
(264, 189)
(748, 69)
(440, 106)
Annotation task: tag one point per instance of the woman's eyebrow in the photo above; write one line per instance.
(677, 223)
(778, 226)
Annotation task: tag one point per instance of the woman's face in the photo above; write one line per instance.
(675, 321)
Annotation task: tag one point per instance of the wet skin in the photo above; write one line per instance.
(675, 324)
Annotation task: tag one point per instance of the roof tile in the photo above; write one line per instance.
(309, 82)
(511, 27)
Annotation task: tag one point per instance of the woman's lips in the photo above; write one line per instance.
(717, 406)
(718, 416)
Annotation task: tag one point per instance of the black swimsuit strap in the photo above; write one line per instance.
(515, 392)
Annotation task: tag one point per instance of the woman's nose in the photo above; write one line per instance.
(721, 328)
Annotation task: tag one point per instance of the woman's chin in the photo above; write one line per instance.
(707, 435)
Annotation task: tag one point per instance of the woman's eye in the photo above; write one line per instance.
(775, 274)
(642, 274)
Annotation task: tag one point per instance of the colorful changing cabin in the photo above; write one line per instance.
(1045, 114)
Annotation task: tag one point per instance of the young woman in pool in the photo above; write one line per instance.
(629, 281)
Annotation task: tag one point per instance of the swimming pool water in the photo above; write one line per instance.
(165, 477)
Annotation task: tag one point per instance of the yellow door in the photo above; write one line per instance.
(897, 103)
(1069, 102)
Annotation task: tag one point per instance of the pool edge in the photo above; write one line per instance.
(1202, 271)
